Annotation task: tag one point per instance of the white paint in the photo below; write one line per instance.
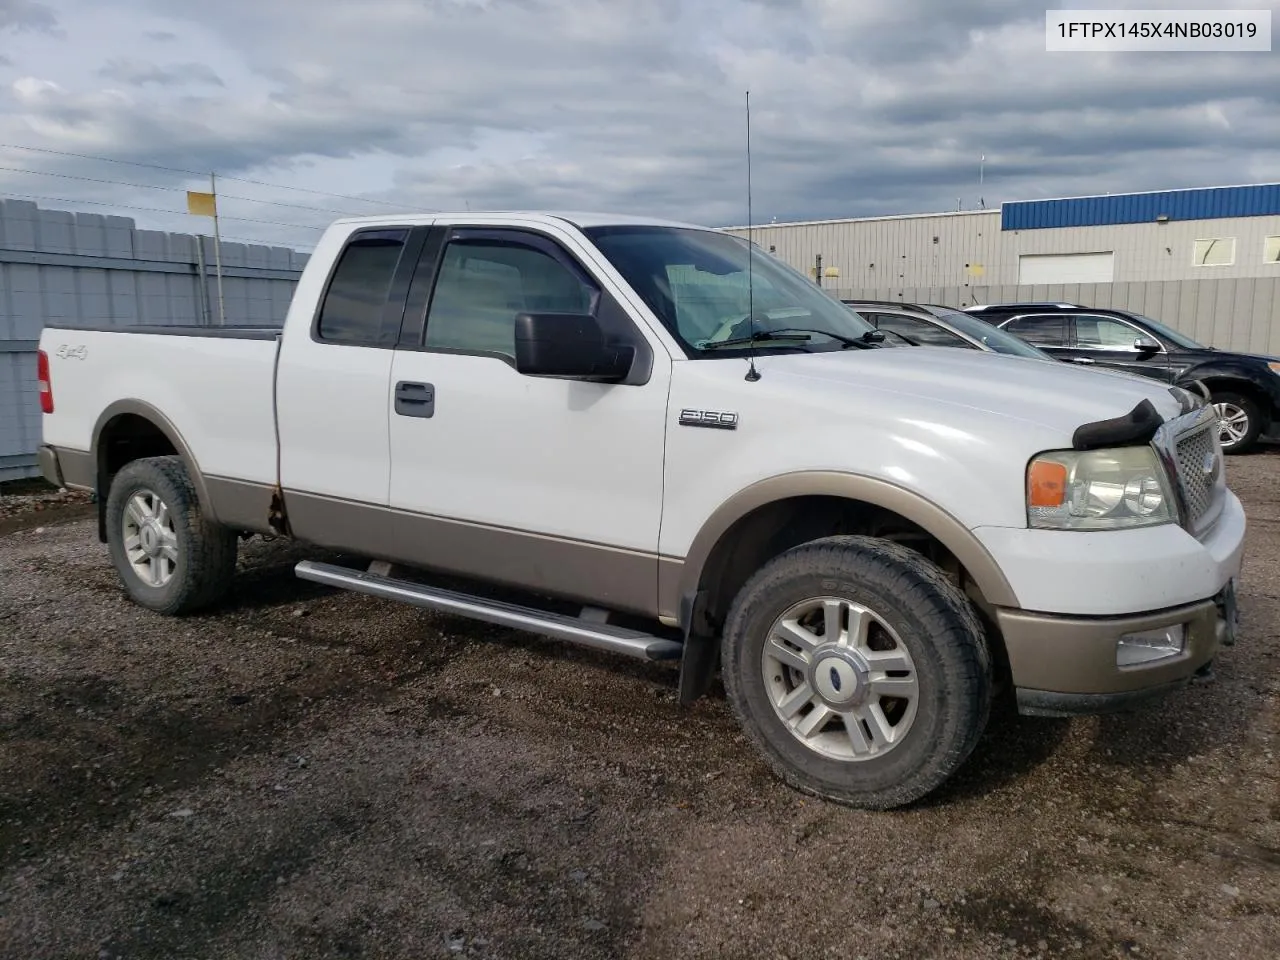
(1066, 268)
(956, 427)
(215, 391)
(556, 457)
(332, 408)
(1118, 571)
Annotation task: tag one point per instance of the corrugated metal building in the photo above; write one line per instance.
(1194, 234)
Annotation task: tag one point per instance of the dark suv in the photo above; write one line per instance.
(1243, 387)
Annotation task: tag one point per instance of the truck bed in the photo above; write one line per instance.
(212, 385)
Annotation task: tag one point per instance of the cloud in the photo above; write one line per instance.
(27, 15)
(139, 74)
(161, 36)
(868, 108)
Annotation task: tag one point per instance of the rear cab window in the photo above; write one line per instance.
(921, 331)
(352, 309)
(1042, 330)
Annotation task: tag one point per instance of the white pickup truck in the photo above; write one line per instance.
(635, 435)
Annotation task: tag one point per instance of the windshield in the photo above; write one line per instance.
(696, 282)
(994, 338)
(1160, 330)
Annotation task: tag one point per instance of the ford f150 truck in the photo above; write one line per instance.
(652, 438)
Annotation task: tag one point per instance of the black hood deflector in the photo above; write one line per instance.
(1139, 425)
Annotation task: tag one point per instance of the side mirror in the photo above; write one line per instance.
(873, 336)
(1146, 345)
(568, 346)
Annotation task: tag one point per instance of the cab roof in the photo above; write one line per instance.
(575, 218)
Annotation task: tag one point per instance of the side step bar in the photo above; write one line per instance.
(588, 633)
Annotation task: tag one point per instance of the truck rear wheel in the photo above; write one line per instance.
(858, 670)
(169, 555)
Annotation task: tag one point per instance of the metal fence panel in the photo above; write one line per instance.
(59, 266)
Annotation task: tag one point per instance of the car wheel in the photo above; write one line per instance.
(858, 670)
(1239, 421)
(169, 556)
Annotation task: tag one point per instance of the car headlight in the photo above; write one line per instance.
(1111, 489)
(1274, 367)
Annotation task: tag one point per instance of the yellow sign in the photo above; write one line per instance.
(201, 204)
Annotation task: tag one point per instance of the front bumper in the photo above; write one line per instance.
(1117, 573)
(1068, 665)
(1079, 593)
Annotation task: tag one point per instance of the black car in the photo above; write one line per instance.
(1243, 387)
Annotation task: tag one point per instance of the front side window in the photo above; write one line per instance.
(351, 312)
(483, 284)
(698, 284)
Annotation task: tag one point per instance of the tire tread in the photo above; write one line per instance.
(209, 549)
(948, 616)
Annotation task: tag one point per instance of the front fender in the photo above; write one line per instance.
(1251, 377)
(678, 580)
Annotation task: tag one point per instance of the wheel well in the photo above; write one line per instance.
(1244, 388)
(776, 527)
(123, 439)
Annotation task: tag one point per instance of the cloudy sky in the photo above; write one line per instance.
(859, 107)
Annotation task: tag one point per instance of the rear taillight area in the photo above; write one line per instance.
(46, 385)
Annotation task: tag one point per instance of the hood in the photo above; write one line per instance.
(1051, 394)
(1260, 358)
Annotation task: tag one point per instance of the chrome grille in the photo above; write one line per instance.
(1200, 487)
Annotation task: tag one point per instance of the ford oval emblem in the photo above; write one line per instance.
(835, 680)
(1209, 464)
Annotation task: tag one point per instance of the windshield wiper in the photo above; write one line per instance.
(791, 333)
(864, 342)
(755, 338)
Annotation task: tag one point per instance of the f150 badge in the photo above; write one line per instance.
(719, 419)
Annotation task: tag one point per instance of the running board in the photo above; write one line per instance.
(587, 633)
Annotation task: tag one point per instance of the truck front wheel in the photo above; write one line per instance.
(858, 670)
(169, 555)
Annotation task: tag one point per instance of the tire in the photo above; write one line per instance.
(1232, 406)
(190, 559)
(912, 606)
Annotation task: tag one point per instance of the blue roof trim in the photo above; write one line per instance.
(1210, 203)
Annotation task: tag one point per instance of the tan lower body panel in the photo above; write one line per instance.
(240, 504)
(67, 468)
(601, 576)
(1078, 655)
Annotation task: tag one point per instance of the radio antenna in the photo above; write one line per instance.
(752, 373)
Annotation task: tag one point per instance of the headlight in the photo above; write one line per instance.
(1275, 367)
(1098, 490)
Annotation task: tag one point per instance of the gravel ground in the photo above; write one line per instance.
(307, 773)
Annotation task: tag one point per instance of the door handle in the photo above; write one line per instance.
(415, 399)
(1082, 360)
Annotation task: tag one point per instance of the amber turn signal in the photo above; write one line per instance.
(1046, 484)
